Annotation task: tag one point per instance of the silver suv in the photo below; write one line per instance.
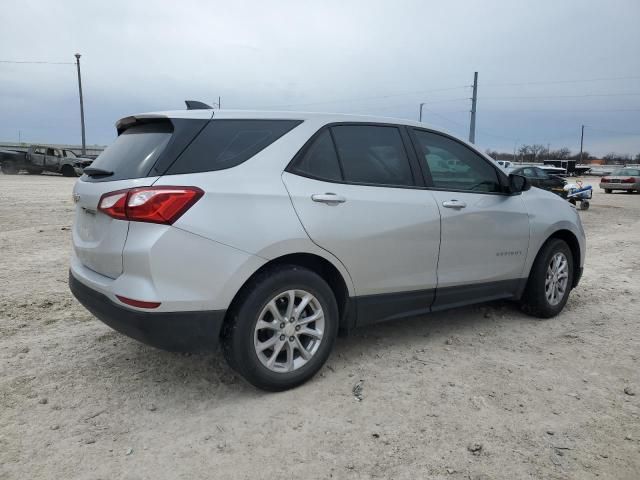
(270, 232)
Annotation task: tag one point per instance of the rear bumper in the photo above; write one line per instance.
(174, 331)
(620, 186)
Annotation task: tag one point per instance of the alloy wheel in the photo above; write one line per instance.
(557, 278)
(289, 331)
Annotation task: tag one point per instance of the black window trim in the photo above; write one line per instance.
(503, 179)
(416, 174)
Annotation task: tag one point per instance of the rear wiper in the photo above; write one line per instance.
(97, 172)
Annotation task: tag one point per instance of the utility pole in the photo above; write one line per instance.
(472, 127)
(420, 110)
(84, 145)
(219, 103)
(581, 142)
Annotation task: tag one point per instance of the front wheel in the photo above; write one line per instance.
(607, 190)
(282, 328)
(550, 280)
(68, 171)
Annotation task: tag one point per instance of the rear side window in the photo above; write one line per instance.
(373, 155)
(320, 160)
(226, 143)
(135, 151)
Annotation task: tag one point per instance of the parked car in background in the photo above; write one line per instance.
(40, 158)
(538, 177)
(504, 163)
(554, 170)
(269, 232)
(627, 179)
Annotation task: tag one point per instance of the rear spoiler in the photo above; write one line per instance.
(128, 122)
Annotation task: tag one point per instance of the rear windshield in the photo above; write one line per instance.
(135, 151)
(226, 143)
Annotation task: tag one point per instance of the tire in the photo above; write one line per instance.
(607, 190)
(68, 171)
(10, 168)
(535, 300)
(34, 171)
(240, 333)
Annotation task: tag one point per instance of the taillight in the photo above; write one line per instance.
(629, 180)
(604, 179)
(149, 204)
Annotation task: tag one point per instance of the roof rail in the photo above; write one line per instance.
(196, 105)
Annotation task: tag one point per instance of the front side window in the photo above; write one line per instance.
(373, 155)
(454, 166)
(541, 173)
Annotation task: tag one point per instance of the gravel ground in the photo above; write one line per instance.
(476, 393)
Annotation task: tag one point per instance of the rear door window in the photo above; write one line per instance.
(226, 143)
(320, 160)
(373, 155)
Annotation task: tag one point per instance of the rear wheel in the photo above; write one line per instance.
(550, 280)
(607, 190)
(68, 171)
(282, 328)
(9, 168)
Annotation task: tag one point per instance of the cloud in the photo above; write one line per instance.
(141, 56)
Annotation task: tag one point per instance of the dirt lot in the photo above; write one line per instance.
(541, 399)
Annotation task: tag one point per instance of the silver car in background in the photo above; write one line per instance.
(270, 232)
(627, 179)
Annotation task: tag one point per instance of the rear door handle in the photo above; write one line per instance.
(328, 198)
(454, 204)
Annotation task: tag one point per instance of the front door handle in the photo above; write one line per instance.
(328, 198)
(454, 204)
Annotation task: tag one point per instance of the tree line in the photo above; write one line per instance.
(538, 153)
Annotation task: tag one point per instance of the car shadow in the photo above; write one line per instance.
(207, 376)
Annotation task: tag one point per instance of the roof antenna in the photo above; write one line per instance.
(196, 105)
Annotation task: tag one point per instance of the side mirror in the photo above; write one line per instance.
(518, 183)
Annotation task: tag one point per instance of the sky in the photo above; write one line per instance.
(545, 67)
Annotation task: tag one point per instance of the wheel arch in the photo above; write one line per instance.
(574, 245)
(316, 263)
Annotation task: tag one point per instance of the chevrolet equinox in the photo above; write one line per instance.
(270, 232)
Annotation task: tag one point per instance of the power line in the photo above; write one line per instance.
(585, 80)
(357, 99)
(567, 96)
(611, 131)
(36, 62)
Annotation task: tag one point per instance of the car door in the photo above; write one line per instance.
(359, 195)
(38, 156)
(546, 181)
(485, 232)
(533, 177)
